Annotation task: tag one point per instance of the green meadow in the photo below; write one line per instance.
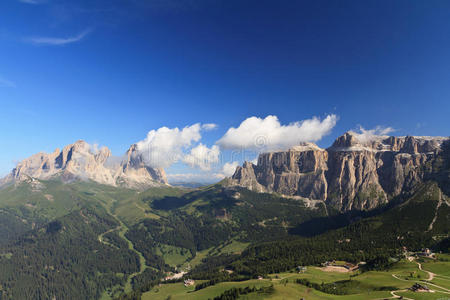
(358, 285)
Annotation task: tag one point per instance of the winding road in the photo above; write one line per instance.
(122, 230)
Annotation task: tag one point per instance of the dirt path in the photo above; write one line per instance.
(397, 296)
(395, 276)
(447, 291)
(430, 274)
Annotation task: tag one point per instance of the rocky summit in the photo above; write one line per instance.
(356, 172)
(81, 161)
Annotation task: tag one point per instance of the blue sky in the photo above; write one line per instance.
(109, 72)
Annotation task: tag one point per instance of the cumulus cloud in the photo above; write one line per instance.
(367, 135)
(52, 41)
(165, 146)
(202, 157)
(268, 134)
(209, 126)
(228, 169)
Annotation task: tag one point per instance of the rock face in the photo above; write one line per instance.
(80, 161)
(134, 173)
(356, 172)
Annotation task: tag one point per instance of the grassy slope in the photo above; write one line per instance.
(54, 199)
(282, 291)
(364, 285)
(133, 209)
(173, 256)
(438, 266)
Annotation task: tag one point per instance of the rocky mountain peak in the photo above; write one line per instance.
(306, 146)
(80, 160)
(133, 149)
(133, 158)
(103, 154)
(136, 172)
(346, 140)
(248, 164)
(357, 172)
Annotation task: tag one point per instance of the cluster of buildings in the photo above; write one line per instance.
(426, 253)
(347, 265)
(419, 288)
(302, 269)
(189, 282)
(176, 276)
(423, 253)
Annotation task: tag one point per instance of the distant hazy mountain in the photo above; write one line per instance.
(190, 184)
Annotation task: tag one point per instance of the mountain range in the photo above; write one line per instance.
(386, 166)
(356, 172)
(80, 223)
(81, 161)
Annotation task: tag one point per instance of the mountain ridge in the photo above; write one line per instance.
(356, 172)
(81, 161)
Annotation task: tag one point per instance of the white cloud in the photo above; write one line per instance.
(268, 134)
(367, 135)
(209, 126)
(228, 169)
(165, 146)
(6, 83)
(202, 157)
(59, 41)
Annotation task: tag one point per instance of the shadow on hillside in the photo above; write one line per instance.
(170, 202)
(321, 225)
(442, 177)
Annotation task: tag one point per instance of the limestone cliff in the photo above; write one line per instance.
(356, 172)
(80, 161)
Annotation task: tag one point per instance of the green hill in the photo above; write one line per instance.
(59, 239)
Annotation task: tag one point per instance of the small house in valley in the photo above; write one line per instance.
(189, 282)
